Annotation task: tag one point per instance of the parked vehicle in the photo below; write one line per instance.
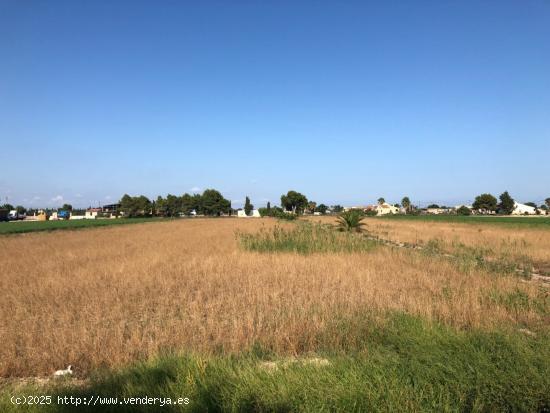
(63, 214)
(3, 215)
(14, 215)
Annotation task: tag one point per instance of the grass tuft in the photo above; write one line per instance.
(304, 238)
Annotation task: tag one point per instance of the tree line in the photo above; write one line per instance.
(211, 203)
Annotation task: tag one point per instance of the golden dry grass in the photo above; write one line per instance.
(105, 297)
(497, 240)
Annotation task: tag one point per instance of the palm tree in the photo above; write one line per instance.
(351, 221)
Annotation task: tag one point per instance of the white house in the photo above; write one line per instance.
(90, 214)
(242, 214)
(522, 209)
(437, 211)
(385, 208)
(362, 208)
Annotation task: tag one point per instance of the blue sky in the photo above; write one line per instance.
(343, 101)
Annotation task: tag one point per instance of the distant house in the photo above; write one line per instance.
(242, 214)
(360, 208)
(385, 208)
(522, 209)
(113, 208)
(381, 209)
(437, 211)
(91, 213)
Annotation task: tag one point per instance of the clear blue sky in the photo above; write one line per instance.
(343, 101)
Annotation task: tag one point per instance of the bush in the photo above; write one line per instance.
(463, 211)
(276, 212)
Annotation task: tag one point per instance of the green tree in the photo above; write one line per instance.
(506, 205)
(351, 220)
(406, 202)
(20, 209)
(311, 207)
(337, 208)
(143, 205)
(160, 206)
(213, 203)
(531, 204)
(547, 202)
(463, 210)
(248, 207)
(190, 203)
(67, 207)
(172, 205)
(381, 200)
(7, 206)
(268, 206)
(433, 206)
(135, 206)
(322, 208)
(485, 202)
(127, 205)
(294, 201)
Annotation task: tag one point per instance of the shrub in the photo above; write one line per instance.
(463, 210)
(351, 221)
(278, 213)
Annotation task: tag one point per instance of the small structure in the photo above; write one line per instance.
(91, 213)
(437, 211)
(522, 209)
(360, 208)
(112, 208)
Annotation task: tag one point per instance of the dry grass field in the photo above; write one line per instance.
(516, 243)
(107, 297)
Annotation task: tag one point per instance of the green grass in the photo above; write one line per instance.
(535, 221)
(399, 364)
(35, 226)
(304, 238)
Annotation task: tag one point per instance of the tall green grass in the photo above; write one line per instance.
(304, 238)
(399, 364)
